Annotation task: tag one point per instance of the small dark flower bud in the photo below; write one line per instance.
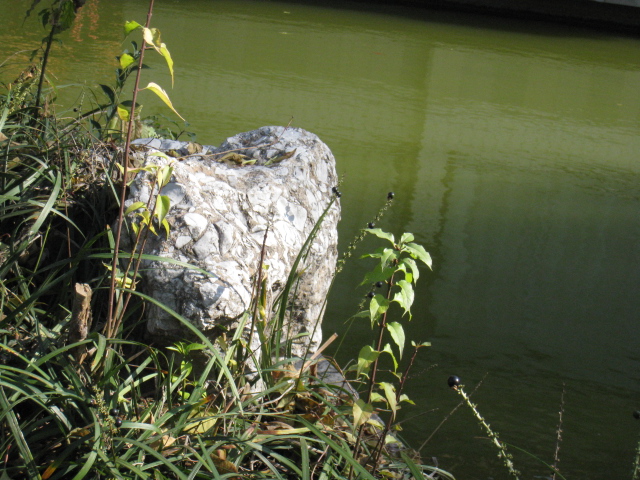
(390, 195)
(453, 381)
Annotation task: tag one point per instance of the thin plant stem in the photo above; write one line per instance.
(502, 448)
(374, 368)
(636, 463)
(556, 457)
(392, 417)
(45, 59)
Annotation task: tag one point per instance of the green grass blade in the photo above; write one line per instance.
(305, 467)
(166, 461)
(344, 453)
(21, 442)
(293, 276)
(203, 338)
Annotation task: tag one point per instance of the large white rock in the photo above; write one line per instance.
(219, 215)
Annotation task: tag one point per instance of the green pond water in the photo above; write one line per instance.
(512, 148)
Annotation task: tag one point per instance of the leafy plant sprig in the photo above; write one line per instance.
(400, 259)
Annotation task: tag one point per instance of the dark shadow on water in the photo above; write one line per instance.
(599, 20)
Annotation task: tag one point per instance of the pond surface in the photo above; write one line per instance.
(512, 148)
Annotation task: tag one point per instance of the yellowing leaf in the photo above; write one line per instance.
(126, 60)
(123, 113)
(163, 442)
(157, 89)
(223, 466)
(366, 357)
(390, 394)
(362, 411)
(167, 56)
(193, 147)
(147, 34)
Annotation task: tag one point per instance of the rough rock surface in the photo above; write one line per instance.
(220, 210)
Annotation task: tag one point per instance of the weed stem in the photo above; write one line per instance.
(502, 448)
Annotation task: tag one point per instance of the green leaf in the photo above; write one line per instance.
(405, 398)
(416, 472)
(165, 225)
(390, 394)
(377, 253)
(379, 273)
(18, 436)
(134, 206)
(377, 307)
(44, 17)
(163, 204)
(366, 357)
(157, 89)
(130, 27)
(164, 175)
(66, 16)
(387, 349)
(126, 60)
(194, 347)
(381, 234)
(405, 296)
(418, 251)
(108, 91)
(376, 397)
(362, 412)
(413, 267)
(397, 334)
(406, 237)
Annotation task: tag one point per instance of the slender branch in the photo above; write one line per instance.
(114, 264)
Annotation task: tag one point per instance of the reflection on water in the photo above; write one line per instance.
(512, 149)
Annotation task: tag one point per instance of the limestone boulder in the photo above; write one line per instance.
(269, 186)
